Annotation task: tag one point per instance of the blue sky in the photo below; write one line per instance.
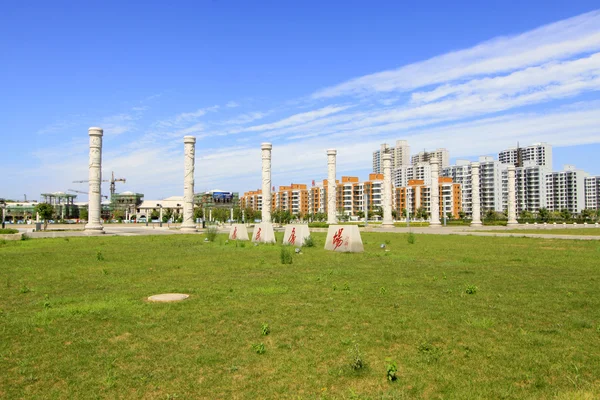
(474, 77)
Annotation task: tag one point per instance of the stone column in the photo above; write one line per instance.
(512, 206)
(188, 225)
(95, 180)
(210, 215)
(331, 187)
(388, 222)
(266, 181)
(231, 215)
(434, 193)
(476, 217)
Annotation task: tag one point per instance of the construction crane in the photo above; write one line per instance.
(79, 191)
(112, 181)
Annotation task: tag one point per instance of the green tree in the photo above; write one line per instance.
(154, 215)
(543, 215)
(462, 215)
(83, 213)
(46, 212)
(526, 214)
(565, 214)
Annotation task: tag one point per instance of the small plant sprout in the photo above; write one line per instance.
(356, 360)
(391, 369)
(382, 290)
(99, 256)
(265, 329)
(471, 289)
(286, 256)
(259, 348)
(411, 238)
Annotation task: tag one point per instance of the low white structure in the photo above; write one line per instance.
(296, 235)
(238, 232)
(344, 238)
(263, 233)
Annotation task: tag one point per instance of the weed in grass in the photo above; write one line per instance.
(309, 242)
(66, 239)
(411, 238)
(346, 287)
(259, 348)
(391, 369)
(334, 287)
(47, 301)
(286, 256)
(382, 290)
(99, 256)
(265, 329)
(429, 351)
(2, 242)
(211, 233)
(242, 244)
(104, 271)
(356, 359)
(24, 289)
(234, 368)
(471, 289)
(387, 241)
(25, 237)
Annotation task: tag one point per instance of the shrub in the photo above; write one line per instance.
(211, 233)
(25, 237)
(259, 348)
(356, 360)
(309, 242)
(471, 289)
(265, 329)
(99, 256)
(286, 256)
(8, 231)
(391, 369)
(411, 238)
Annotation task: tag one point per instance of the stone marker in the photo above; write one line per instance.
(168, 297)
(188, 225)
(295, 235)
(263, 233)
(238, 232)
(344, 238)
(93, 225)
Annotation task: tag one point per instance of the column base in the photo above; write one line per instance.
(435, 224)
(93, 229)
(387, 225)
(476, 224)
(512, 223)
(188, 228)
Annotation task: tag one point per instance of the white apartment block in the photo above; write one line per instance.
(423, 157)
(592, 192)
(400, 156)
(493, 184)
(530, 187)
(461, 173)
(566, 190)
(538, 153)
(401, 176)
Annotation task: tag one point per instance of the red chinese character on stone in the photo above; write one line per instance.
(234, 236)
(292, 239)
(337, 239)
(257, 237)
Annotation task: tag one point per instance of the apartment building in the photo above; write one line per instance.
(461, 174)
(401, 176)
(493, 185)
(530, 183)
(538, 153)
(592, 192)
(442, 155)
(400, 155)
(566, 190)
(417, 194)
(292, 198)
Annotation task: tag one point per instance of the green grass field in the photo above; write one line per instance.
(556, 231)
(461, 317)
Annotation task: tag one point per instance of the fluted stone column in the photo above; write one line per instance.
(94, 224)
(434, 191)
(189, 146)
(476, 218)
(388, 222)
(266, 181)
(512, 206)
(331, 187)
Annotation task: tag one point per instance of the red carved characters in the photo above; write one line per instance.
(337, 239)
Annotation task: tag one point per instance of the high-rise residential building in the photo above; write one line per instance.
(592, 192)
(539, 153)
(461, 174)
(417, 194)
(401, 175)
(400, 156)
(423, 157)
(566, 190)
(292, 198)
(530, 187)
(493, 184)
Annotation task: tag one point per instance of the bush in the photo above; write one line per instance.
(286, 256)
(411, 238)
(309, 242)
(318, 225)
(391, 369)
(8, 231)
(211, 233)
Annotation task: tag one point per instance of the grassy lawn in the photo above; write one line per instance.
(461, 316)
(556, 231)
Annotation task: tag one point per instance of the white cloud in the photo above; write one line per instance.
(232, 104)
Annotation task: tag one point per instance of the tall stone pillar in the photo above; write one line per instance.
(331, 187)
(434, 192)
(95, 180)
(266, 181)
(388, 222)
(476, 218)
(189, 148)
(512, 196)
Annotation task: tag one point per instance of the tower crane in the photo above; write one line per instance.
(112, 181)
(79, 191)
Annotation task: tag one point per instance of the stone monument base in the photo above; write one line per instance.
(344, 238)
(263, 233)
(238, 232)
(295, 235)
